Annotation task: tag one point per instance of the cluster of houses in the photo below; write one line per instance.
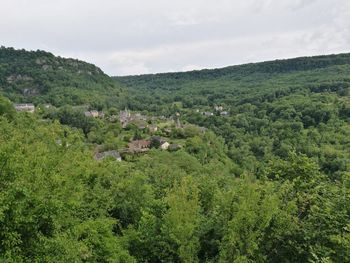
(138, 146)
(207, 113)
(29, 107)
(219, 109)
(126, 117)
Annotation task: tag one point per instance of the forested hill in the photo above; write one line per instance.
(266, 109)
(41, 77)
(259, 172)
(274, 67)
(237, 85)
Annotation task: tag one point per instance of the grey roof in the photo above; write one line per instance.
(158, 139)
(174, 146)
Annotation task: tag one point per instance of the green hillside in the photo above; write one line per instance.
(41, 77)
(250, 83)
(275, 107)
(259, 172)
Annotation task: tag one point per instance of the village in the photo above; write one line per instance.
(156, 130)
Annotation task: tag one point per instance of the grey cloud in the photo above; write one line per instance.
(136, 36)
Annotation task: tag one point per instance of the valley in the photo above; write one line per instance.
(247, 163)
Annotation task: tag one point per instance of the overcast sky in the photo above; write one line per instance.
(146, 36)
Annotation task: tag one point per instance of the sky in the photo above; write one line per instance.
(128, 37)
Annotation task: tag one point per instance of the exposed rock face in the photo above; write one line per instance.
(30, 92)
(46, 67)
(40, 61)
(13, 78)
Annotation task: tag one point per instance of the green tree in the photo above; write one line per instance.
(181, 221)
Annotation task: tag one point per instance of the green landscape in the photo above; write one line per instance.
(247, 163)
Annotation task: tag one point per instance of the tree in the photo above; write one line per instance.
(181, 221)
(6, 108)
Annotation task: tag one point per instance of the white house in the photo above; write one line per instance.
(94, 113)
(165, 146)
(28, 107)
(218, 108)
(207, 113)
(153, 128)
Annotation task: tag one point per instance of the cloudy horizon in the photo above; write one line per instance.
(139, 37)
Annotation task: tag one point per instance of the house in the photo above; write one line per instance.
(48, 106)
(224, 113)
(94, 114)
(219, 108)
(206, 113)
(164, 146)
(87, 114)
(153, 128)
(125, 117)
(114, 154)
(159, 142)
(27, 107)
(139, 146)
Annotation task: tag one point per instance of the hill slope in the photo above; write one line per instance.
(244, 83)
(39, 76)
(268, 109)
(275, 190)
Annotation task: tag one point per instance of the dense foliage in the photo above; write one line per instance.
(269, 182)
(273, 108)
(59, 205)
